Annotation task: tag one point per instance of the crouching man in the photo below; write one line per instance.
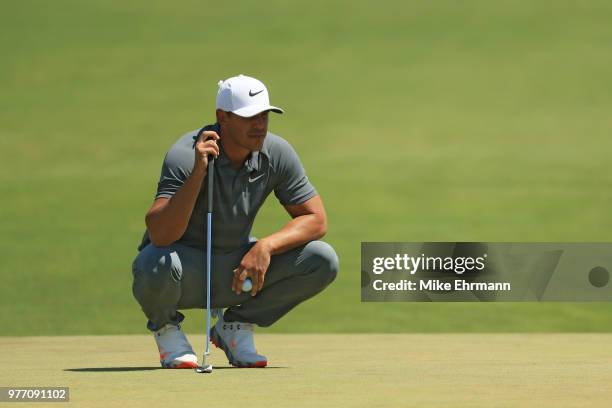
(286, 267)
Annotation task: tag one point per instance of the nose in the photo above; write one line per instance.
(260, 121)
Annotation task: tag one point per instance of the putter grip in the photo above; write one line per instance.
(209, 182)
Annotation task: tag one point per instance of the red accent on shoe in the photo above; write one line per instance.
(186, 364)
(258, 364)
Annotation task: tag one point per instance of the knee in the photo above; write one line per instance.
(324, 257)
(154, 268)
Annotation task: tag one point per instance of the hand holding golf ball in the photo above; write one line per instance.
(247, 285)
(250, 274)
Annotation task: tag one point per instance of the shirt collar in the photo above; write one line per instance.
(255, 160)
(252, 163)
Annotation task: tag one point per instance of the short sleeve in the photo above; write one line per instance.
(293, 186)
(176, 168)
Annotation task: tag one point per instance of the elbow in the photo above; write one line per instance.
(159, 241)
(156, 234)
(321, 228)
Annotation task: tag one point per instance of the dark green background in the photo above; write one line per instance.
(416, 121)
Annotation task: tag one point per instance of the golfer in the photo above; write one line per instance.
(286, 267)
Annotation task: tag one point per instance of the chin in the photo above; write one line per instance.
(258, 143)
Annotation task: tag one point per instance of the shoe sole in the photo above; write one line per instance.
(218, 342)
(185, 364)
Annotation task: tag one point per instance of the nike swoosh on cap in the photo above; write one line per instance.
(253, 94)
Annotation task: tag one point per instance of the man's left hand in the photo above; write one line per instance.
(253, 265)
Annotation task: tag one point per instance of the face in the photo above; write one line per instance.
(247, 133)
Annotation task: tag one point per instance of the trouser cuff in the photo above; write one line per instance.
(178, 318)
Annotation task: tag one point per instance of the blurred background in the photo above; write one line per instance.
(415, 120)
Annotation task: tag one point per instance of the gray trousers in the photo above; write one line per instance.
(170, 278)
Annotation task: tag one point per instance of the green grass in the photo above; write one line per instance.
(416, 121)
(348, 370)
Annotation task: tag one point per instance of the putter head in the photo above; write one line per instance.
(205, 369)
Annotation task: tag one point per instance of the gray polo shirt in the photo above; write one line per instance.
(238, 193)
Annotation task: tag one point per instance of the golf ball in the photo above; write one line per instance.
(247, 285)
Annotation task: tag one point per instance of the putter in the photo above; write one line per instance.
(246, 285)
(210, 177)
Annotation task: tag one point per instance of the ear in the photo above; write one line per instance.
(222, 116)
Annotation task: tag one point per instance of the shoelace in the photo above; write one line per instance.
(218, 313)
(236, 326)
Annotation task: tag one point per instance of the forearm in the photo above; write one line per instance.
(167, 223)
(298, 231)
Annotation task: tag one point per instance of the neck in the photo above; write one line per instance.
(235, 153)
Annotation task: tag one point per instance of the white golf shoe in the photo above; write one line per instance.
(236, 340)
(174, 349)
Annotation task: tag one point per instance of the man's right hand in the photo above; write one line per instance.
(205, 145)
(167, 219)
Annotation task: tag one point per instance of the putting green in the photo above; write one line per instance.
(501, 370)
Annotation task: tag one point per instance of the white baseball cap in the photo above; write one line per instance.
(244, 96)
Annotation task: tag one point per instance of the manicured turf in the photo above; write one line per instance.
(367, 370)
(440, 121)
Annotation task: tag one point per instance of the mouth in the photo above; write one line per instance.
(257, 135)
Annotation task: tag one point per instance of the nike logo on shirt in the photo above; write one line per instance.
(251, 179)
